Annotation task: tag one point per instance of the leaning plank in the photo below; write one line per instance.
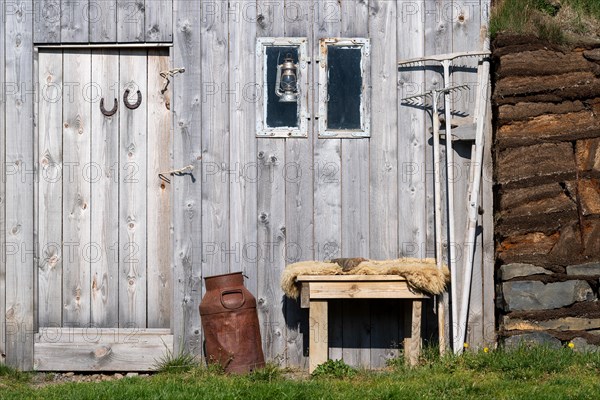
(19, 187)
(185, 90)
(159, 20)
(47, 24)
(100, 349)
(74, 21)
(130, 21)
(133, 151)
(50, 158)
(105, 192)
(103, 21)
(160, 283)
(76, 189)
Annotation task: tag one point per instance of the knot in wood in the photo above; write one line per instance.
(263, 218)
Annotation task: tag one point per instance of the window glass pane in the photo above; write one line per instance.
(279, 114)
(344, 86)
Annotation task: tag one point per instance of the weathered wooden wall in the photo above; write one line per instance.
(257, 204)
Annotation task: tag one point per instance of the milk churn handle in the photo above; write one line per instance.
(224, 292)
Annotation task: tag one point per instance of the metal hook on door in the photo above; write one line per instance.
(136, 104)
(111, 112)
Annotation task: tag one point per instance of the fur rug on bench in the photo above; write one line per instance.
(421, 274)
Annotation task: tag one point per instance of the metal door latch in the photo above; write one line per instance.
(166, 74)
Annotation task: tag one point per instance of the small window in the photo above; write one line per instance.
(344, 103)
(282, 76)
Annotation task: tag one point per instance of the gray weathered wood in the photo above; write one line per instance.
(76, 189)
(96, 349)
(47, 25)
(215, 173)
(50, 215)
(242, 152)
(133, 152)
(383, 160)
(2, 197)
(327, 168)
(103, 21)
(74, 21)
(187, 190)
(159, 20)
(130, 21)
(160, 284)
(105, 180)
(19, 187)
(355, 201)
(298, 192)
(271, 219)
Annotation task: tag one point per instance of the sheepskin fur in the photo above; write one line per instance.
(421, 274)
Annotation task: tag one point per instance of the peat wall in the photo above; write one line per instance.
(547, 172)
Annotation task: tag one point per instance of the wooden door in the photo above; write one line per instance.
(104, 285)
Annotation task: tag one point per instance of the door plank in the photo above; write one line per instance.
(47, 25)
(132, 197)
(76, 189)
(105, 192)
(130, 21)
(50, 158)
(160, 284)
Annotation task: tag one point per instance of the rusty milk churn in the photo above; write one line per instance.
(230, 323)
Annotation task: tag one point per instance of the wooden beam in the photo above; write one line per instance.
(415, 344)
(95, 349)
(2, 193)
(363, 290)
(19, 224)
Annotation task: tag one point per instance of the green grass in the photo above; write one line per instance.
(558, 21)
(538, 373)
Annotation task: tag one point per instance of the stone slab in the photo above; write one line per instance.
(534, 295)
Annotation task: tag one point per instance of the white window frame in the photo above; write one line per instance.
(262, 130)
(365, 105)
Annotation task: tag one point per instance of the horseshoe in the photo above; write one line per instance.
(111, 112)
(137, 103)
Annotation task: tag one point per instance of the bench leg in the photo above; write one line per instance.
(318, 350)
(412, 349)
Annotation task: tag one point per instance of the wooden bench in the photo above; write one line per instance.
(317, 290)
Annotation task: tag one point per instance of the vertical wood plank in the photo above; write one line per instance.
(355, 188)
(133, 152)
(105, 192)
(50, 216)
(271, 216)
(76, 189)
(327, 165)
(103, 21)
(215, 139)
(19, 185)
(47, 25)
(74, 21)
(384, 206)
(438, 31)
(466, 37)
(3, 166)
(415, 337)
(242, 152)
(187, 190)
(159, 20)
(130, 21)
(160, 284)
(299, 191)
